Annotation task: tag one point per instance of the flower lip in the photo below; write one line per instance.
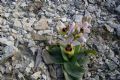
(68, 47)
(82, 30)
(65, 29)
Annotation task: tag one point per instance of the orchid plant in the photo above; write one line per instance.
(70, 51)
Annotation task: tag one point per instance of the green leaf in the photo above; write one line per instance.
(91, 52)
(74, 69)
(68, 77)
(83, 59)
(53, 56)
(73, 58)
(77, 49)
(63, 54)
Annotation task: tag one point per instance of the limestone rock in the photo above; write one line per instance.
(9, 51)
(5, 41)
(38, 37)
(36, 75)
(27, 23)
(42, 24)
(17, 23)
(118, 9)
(109, 28)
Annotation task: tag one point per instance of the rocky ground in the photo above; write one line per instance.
(24, 24)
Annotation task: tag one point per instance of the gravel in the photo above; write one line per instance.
(23, 24)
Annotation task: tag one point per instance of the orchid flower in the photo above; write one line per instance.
(61, 28)
(69, 45)
(84, 30)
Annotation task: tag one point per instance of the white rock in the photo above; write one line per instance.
(17, 23)
(1, 75)
(49, 20)
(31, 14)
(1, 8)
(16, 13)
(28, 69)
(31, 64)
(1, 20)
(5, 41)
(47, 32)
(31, 43)
(24, 32)
(42, 24)
(78, 18)
(40, 32)
(20, 75)
(44, 76)
(89, 74)
(14, 31)
(18, 66)
(23, 4)
(36, 75)
(28, 36)
(4, 29)
(9, 51)
(7, 15)
(2, 69)
(91, 8)
(11, 38)
(33, 49)
(27, 24)
(64, 19)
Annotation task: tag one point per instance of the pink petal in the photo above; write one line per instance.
(82, 39)
(79, 27)
(86, 27)
(75, 43)
(71, 29)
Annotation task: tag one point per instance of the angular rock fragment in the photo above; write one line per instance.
(42, 24)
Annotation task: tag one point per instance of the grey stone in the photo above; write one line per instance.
(112, 24)
(111, 64)
(102, 75)
(6, 41)
(44, 77)
(110, 4)
(115, 60)
(118, 9)
(8, 52)
(7, 15)
(118, 30)
(17, 23)
(109, 28)
(36, 75)
(2, 69)
(77, 3)
(78, 18)
(42, 24)
(96, 77)
(91, 8)
(91, 1)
